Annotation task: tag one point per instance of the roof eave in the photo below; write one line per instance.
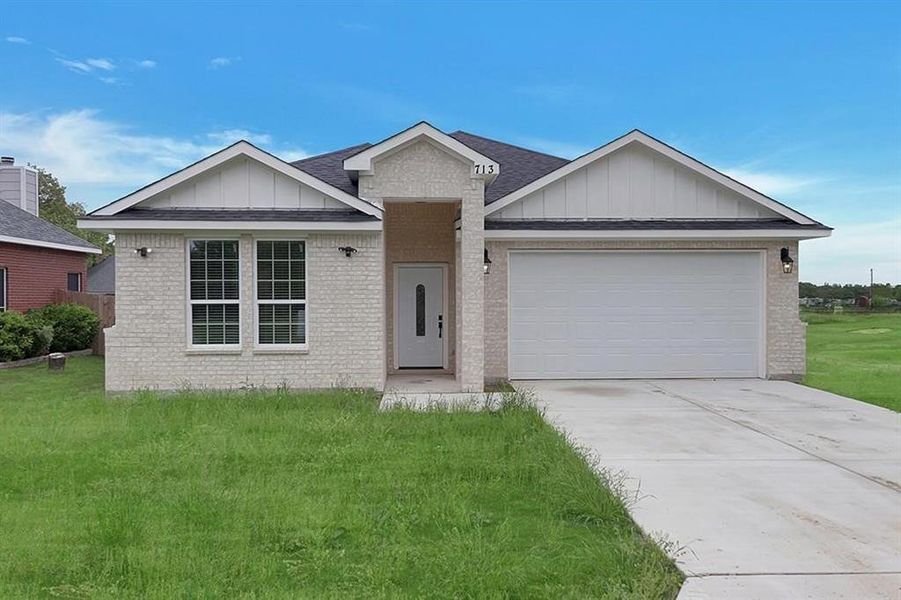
(52, 245)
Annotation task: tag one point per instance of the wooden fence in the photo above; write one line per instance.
(103, 305)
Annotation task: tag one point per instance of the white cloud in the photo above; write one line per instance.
(230, 136)
(222, 61)
(773, 183)
(88, 65)
(14, 39)
(147, 64)
(100, 159)
(852, 250)
(109, 80)
(101, 63)
(75, 65)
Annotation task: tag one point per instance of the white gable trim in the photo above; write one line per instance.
(114, 225)
(482, 166)
(41, 244)
(663, 234)
(668, 151)
(212, 161)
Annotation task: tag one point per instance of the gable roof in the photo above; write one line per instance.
(240, 148)
(18, 226)
(518, 171)
(637, 136)
(102, 276)
(519, 166)
(362, 160)
(329, 167)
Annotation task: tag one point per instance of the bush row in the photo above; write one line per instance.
(53, 328)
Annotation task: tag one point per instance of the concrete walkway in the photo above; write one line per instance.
(776, 490)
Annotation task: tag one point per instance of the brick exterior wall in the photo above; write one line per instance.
(34, 273)
(422, 171)
(420, 233)
(350, 300)
(785, 332)
(148, 346)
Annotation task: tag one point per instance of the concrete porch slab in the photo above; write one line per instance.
(422, 382)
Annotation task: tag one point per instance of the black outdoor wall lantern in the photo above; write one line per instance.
(347, 250)
(787, 262)
(143, 251)
(487, 265)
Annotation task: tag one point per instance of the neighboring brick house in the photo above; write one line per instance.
(36, 257)
(453, 254)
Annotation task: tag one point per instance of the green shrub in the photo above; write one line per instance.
(19, 337)
(74, 326)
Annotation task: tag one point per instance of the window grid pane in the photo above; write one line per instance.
(214, 275)
(214, 270)
(281, 292)
(282, 323)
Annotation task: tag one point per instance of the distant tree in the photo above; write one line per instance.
(882, 292)
(55, 209)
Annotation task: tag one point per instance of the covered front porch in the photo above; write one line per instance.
(423, 297)
(431, 188)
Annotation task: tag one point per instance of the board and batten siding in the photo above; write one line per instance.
(634, 182)
(243, 183)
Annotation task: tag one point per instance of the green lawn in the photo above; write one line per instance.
(856, 355)
(282, 495)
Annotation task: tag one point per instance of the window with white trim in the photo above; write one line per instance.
(214, 291)
(2, 289)
(281, 293)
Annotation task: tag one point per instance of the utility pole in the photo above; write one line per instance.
(871, 287)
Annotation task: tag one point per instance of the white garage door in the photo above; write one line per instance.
(635, 314)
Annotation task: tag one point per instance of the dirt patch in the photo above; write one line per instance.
(872, 331)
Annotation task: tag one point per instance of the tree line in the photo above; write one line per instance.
(848, 291)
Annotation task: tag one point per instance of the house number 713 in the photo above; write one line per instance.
(484, 169)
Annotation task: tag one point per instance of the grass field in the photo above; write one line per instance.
(856, 355)
(276, 495)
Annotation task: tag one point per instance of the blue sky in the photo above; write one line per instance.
(802, 101)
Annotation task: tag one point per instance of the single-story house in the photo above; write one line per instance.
(453, 253)
(102, 276)
(36, 257)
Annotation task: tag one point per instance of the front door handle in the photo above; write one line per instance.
(440, 325)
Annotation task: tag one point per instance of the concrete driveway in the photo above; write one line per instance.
(776, 490)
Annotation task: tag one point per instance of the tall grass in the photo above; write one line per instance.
(280, 494)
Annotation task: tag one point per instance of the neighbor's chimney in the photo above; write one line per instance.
(18, 185)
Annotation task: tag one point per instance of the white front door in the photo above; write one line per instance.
(420, 323)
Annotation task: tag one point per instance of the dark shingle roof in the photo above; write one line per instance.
(519, 166)
(102, 276)
(216, 214)
(17, 223)
(329, 168)
(647, 224)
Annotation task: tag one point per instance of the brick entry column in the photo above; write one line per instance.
(471, 289)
